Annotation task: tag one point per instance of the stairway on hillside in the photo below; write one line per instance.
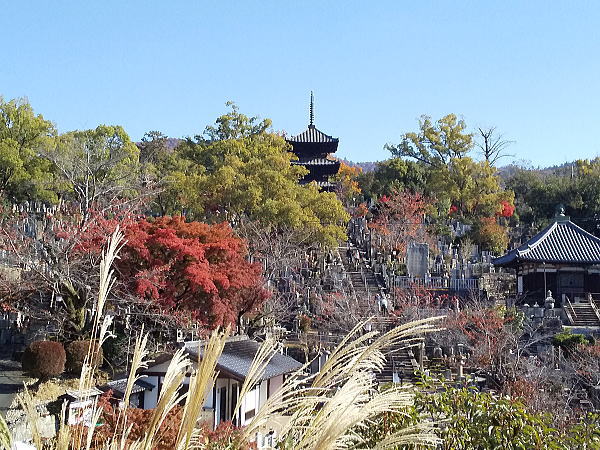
(400, 360)
(364, 284)
(399, 357)
(583, 315)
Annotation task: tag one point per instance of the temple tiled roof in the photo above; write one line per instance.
(312, 135)
(560, 242)
(237, 357)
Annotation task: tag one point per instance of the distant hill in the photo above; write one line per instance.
(509, 170)
(173, 142)
(367, 166)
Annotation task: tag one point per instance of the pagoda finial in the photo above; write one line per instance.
(311, 113)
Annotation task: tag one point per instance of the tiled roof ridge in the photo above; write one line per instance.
(312, 134)
(545, 234)
(539, 238)
(581, 230)
(562, 240)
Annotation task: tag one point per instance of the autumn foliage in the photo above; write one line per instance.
(139, 419)
(398, 220)
(191, 268)
(77, 352)
(507, 209)
(491, 235)
(44, 359)
(486, 332)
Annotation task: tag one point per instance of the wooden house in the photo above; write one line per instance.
(233, 366)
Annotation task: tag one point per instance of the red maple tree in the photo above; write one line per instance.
(399, 219)
(191, 268)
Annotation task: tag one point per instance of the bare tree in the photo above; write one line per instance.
(493, 145)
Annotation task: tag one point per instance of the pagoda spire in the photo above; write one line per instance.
(311, 112)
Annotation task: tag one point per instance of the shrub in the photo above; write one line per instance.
(44, 359)
(569, 341)
(77, 351)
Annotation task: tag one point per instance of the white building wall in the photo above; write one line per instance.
(262, 393)
(249, 403)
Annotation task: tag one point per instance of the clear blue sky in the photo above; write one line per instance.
(531, 68)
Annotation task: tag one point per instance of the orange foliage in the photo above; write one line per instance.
(399, 220)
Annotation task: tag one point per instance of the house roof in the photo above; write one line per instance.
(312, 135)
(238, 355)
(560, 242)
(119, 386)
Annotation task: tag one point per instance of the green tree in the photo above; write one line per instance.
(436, 143)
(472, 187)
(240, 171)
(394, 175)
(97, 167)
(469, 419)
(24, 175)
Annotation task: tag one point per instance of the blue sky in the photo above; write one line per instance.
(530, 68)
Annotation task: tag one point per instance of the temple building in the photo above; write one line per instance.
(314, 150)
(560, 265)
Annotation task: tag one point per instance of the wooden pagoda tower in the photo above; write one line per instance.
(314, 150)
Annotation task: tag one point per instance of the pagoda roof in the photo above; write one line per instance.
(312, 136)
(308, 161)
(560, 242)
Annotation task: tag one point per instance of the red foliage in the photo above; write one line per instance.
(485, 331)
(225, 434)
(507, 209)
(138, 419)
(192, 267)
(399, 220)
(452, 210)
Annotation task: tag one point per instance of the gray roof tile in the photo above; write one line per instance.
(310, 135)
(560, 242)
(238, 355)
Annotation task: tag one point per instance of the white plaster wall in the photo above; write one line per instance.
(249, 403)
(262, 397)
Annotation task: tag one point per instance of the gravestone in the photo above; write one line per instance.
(417, 260)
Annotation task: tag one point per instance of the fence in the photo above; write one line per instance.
(453, 284)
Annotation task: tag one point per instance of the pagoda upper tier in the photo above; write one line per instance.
(313, 142)
(313, 149)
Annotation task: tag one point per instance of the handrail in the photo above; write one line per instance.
(571, 306)
(595, 308)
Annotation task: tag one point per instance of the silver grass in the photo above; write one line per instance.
(5, 435)
(169, 396)
(201, 382)
(27, 402)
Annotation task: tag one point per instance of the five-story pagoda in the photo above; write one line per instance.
(313, 149)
